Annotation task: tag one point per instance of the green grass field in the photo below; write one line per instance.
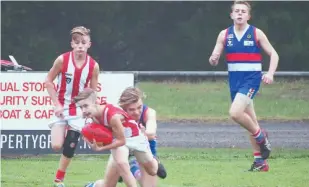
(186, 168)
(192, 167)
(211, 100)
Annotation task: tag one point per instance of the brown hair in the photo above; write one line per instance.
(129, 96)
(87, 92)
(239, 2)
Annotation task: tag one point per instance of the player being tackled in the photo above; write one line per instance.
(127, 138)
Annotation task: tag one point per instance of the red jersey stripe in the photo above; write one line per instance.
(243, 57)
(91, 67)
(75, 88)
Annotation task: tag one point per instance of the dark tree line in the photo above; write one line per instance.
(147, 35)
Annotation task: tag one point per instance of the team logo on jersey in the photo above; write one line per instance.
(230, 36)
(229, 43)
(248, 43)
(68, 77)
(249, 36)
(68, 80)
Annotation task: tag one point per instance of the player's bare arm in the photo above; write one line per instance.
(95, 77)
(269, 50)
(117, 129)
(215, 56)
(51, 76)
(151, 124)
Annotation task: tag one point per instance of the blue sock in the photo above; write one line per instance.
(135, 170)
(259, 136)
(153, 147)
(258, 158)
(90, 184)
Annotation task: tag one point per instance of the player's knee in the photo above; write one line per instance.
(56, 146)
(70, 143)
(152, 171)
(123, 168)
(57, 137)
(151, 167)
(234, 114)
(122, 164)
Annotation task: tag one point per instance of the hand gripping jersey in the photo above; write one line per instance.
(142, 122)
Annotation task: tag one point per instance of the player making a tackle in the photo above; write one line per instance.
(128, 137)
(131, 101)
(243, 43)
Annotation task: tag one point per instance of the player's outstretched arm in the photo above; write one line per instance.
(51, 76)
(218, 49)
(269, 50)
(95, 77)
(151, 124)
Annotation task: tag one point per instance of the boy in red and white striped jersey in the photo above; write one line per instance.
(75, 71)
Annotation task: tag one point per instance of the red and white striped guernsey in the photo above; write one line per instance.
(73, 80)
(131, 128)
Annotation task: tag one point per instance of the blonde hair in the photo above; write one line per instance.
(239, 2)
(129, 96)
(80, 30)
(86, 93)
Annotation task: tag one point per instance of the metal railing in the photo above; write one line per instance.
(193, 76)
(210, 73)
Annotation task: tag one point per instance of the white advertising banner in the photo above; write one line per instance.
(25, 104)
(26, 109)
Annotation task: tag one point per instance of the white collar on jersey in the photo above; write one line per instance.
(240, 35)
